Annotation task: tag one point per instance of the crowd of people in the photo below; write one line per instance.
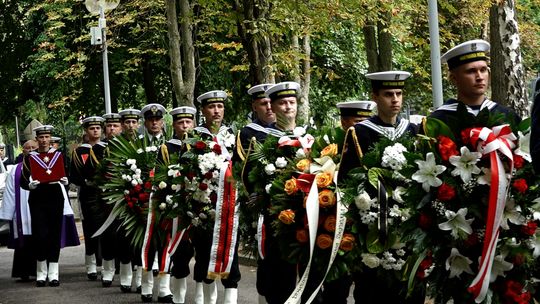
(39, 179)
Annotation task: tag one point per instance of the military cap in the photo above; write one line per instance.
(41, 130)
(55, 139)
(356, 108)
(257, 91)
(112, 117)
(183, 112)
(130, 114)
(212, 97)
(92, 121)
(388, 79)
(153, 110)
(472, 50)
(282, 90)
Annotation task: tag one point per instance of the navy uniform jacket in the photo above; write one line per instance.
(535, 133)
(369, 132)
(172, 146)
(258, 130)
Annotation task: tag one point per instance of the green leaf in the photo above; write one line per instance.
(435, 127)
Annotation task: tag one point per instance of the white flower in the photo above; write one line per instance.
(524, 146)
(134, 182)
(139, 151)
(465, 164)
(485, 179)
(299, 131)
(131, 161)
(202, 216)
(307, 141)
(300, 153)
(458, 263)
(168, 199)
(393, 157)
(326, 139)
(397, 193)
(162, 206)
(190, 214)
(138, 171)
(270, 169)
(457, 222)
(126, 192)
(363, 201)
(499, 267)
(133, 168)
(512, 213)
(173, 172)
(534, 243)
(280, 162)
(162, 185)
(175, 187)
(370, 260)
(267, 188)
(427, 172)
(151, 149)
(211, 145)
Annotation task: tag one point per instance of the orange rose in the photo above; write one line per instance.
(302, 235)
(324, 241)
(290, 186)
(330, 150)
(330, 223)
(303, 165)
(286, 216)
(327, 198)
(323, 179)
(347, 242)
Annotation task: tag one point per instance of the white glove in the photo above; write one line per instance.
(33, 184)
(64, 181)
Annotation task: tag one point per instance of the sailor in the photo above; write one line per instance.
(153, 123)
(355, 111)
(113, 125)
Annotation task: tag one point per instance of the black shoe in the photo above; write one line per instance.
(125, 289)
(146, 298)
(40, 283)
(165, 299)
(24, 280)
(155, 272)
(92, 276)
(139, 289)
(105, 283)
(54, 283)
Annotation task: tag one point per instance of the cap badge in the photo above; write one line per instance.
(397, 77)
(154, 109)
(473, 47)
(215, 94)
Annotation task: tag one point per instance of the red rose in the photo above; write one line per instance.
(137, 188)
(203, 186)
(518, 259)
(466, 136)
(143, 197)
(514, 293)
(425, 221)
(213, 197)
(200, 145)
(518, 161)
(446, 192)
(208, 175)
(447, 147)
(148, 185)
(529, 229)
(520, 185)
(216, 149)
(130, 204)
(424, 265)
(190, 175)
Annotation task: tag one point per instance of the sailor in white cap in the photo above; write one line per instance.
(83, 168)
(153, 122)
(213, 110)
(183, 121)
(469, 73)
(355, 111)
(47, 201)
(113, 125)
(387, 93)
(284, 100)
(129, 119)
(258, 128)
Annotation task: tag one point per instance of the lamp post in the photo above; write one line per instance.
(436, 75)
(99, 37)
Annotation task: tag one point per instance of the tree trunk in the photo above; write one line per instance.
(188, 89)
(511, 77)
(370, 42)
(305, 82)
(378, 44)
(174, 48)
(148, 81)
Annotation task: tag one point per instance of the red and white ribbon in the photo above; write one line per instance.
(491, 142)
(225, 226)
(148, 232)
(261, 236)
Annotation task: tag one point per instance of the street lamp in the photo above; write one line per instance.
(99, 38)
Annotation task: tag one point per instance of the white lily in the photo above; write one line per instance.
(465, 164)
(397, 193)
(457, 222)
(512, 213)
(523, 149)
(458, 264)
(427, 172)
(485, 179)
(534, 244)
(499, 267)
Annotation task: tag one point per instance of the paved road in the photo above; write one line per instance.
(75, 288)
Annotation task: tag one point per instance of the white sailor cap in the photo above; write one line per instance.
(388, 79)
(45, 129)
(55, 139)
(212, 97)
(92, 121)
(111, 117)
(282, 90)
(2, 145)
(472, 50)
(356, 108)
(257, 91)
(183, 112)
(130, 114)
(153, 110)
